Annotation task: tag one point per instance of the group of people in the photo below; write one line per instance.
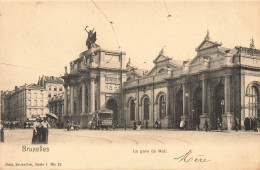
(72, 126)
(40, 131)
(135, 125)
(158, 124)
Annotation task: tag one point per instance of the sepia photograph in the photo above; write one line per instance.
(135, 84)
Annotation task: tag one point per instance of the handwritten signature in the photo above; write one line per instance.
(188, 157)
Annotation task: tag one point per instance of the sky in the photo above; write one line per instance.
(40, 38)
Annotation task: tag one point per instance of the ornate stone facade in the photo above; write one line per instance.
(218, 83)
(94, 82)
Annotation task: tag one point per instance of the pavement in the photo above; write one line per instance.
(131, 149)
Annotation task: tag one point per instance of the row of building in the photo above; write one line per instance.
(218, 84)
(29, 101)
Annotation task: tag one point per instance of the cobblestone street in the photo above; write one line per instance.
(127, 149)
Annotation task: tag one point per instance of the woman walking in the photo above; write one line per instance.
(45, 131)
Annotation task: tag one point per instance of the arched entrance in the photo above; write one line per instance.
(197, 106)
(217, 107)
(178, 108)
(112, 105)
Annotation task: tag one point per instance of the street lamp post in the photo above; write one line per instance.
(222, 106)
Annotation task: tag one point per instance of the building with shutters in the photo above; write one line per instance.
(24, 103)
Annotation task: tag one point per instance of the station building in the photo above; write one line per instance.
(218, 83)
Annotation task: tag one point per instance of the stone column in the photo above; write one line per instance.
(227, 93)
(228, 117)
(65, 100)
(242, 89)
(185, 117)
(167, 118)
(204, 96)
(71, 99)
(83, 97)
(83, 115)
(205, 116)
(184, 99)
(92, 94)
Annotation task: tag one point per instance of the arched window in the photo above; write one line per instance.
(146, 109)
(162, 70)
(162, 107)
(253, 101)
(132, 109)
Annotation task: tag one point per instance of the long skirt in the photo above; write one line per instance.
(45, 135)
(39, 136)
(34, 137)
(2, 135)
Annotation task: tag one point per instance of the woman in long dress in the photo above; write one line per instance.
(45, 126)
(37, 134)
(34, 132)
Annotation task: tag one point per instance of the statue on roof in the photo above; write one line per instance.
(92, 37)
(162, 52)
(128, 63)
(252, 44)
(207, 36)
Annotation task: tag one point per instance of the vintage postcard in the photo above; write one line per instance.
(159, 84)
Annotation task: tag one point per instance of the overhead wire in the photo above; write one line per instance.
(26, 67)
(109, 21)
(113, 29)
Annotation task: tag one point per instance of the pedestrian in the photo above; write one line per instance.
(45, 131)
(218, 124)
(11, 125)
(2, 132)
(156, 124)
(72, 125)
(185, 125)
(134, 125)
(206, 125)
(236, 124)
(146, 124)
(182, 123)
(68, 125)
(36, 139)
(159, 124)
(77, 126)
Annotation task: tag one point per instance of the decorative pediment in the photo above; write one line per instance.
(207, 43)
(160, 58)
